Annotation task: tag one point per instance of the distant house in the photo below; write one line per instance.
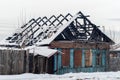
(74, 44)
(114, 58)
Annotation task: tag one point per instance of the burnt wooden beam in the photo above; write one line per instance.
(49, 20)
(13, 38)
(56, 19)
(27, 23)
(83, 25)
(65, 18)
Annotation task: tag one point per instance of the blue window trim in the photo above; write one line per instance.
(71, 58)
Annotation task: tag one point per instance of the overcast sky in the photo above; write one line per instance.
(13, 13)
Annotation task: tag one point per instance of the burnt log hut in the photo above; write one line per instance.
(80, 57)
(84, 46)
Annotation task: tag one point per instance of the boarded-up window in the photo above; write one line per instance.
(65, 57)
(77, 57)
(88, 58)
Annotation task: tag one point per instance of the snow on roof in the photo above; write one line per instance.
(18, 30)
(4, 42)
(3, 48)
(43, 51)
(10, 48)
(115, 47)
(30, 47)
(59, 30)
(118, 49)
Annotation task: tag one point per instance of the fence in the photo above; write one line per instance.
(13, 61)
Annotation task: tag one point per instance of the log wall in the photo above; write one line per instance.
(74, 44)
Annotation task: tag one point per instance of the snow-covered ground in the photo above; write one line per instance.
(68, 76)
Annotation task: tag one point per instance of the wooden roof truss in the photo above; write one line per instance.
(81, 28)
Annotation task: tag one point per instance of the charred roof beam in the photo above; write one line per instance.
(56, 19)
(65, 18)
(49, 20)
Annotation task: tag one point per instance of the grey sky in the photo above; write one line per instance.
(13, 13)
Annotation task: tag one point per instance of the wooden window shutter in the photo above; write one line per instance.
(66, 57)
(77, 57)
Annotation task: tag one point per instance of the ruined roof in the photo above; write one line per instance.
(43, 31)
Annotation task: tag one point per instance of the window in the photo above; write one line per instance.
(98, 59)
(78, 58)
(65, 57)
(88, 58)
(113, 55)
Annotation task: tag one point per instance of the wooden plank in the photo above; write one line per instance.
(46, 65)
(27, 61)
(22, 61)
(4, 60)
(40, 64)
(0, 61)
(7, 58)
(12, 62)
(24, 66)
(30, 63)
(18, 62)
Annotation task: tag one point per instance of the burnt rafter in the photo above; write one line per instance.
(49, 20)
(77, 27)
(98, 36)
(57, 19)
(65, 18)
(83, 26)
